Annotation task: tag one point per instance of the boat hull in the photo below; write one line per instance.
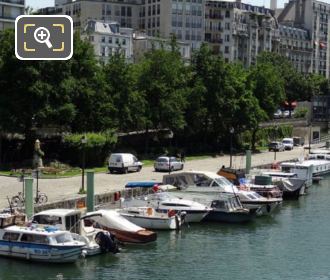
(40, 253)
(230, 217)
(265, 208)
(153, 222)
(139, 237)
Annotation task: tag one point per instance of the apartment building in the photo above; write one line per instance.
(239, 32)
(143, 43)
(296, 46)
(9, 11)
(314, 16)
(108, 38)
(125, 12)
(161, 18)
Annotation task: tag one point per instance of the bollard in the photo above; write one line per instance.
(90, 191)
(248, 161)
(29, 208)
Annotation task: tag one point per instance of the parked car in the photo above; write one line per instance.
(288, 143)
(298, 141)
(168, 164)
(278, 114)
(123, 163)
(276, 147)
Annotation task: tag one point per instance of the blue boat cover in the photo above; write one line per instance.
(146, 184)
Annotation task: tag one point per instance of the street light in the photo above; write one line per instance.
(83, 143)
(232, 130)
(310, 137)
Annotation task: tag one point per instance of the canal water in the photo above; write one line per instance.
(293, 244)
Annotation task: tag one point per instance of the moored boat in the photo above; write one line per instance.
(35, 243)
(204, 187)
(164, 201)
(149, 218)
(228, 209)
(96, 240)
(124, 230)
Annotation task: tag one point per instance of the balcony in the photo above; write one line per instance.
(7, 18)
(14, 2)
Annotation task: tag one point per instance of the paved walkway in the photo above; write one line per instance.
(60, 189)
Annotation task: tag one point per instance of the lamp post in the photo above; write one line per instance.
(275, 140)
(232, 130)
(310, 137)
(83, 143)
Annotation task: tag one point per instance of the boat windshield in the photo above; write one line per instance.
(63, 237)
(162, 196)
(222, 182)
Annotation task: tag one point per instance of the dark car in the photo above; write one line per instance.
(276, 147)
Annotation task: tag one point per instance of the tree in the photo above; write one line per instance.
(267, 86)
(121, 88)
(162, 83)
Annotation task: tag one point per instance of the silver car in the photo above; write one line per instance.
(168, 164)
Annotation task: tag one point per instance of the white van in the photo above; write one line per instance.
(124, 163)
(288, 143)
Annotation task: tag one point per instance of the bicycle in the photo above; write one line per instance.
(19, 199)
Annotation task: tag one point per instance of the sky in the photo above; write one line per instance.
(35, 4)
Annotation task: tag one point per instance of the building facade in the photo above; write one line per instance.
(162, 18)
(143, 43)
(108, 38)
(239, 32)
(296, 46)
(321, 108)
(9, 11)
(313, 16)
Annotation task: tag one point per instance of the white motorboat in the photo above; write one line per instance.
(307, 169)
(148, 217)
(96, 240)
(37, 243)
(205, 187)
(165, 201)
(124, 230)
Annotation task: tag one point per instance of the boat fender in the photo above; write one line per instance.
(149, 211)
(171, 213)
(177, 222)
(106, 242)
(268, 208)
(117, 196)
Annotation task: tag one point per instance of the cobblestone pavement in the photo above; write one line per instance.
(65, 188)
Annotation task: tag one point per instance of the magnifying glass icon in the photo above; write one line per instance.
(41, 35)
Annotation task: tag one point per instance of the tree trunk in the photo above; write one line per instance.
(0, 149)
(253, 139)
(146, 143)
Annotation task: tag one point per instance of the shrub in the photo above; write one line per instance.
(96, 148)
(300, 112)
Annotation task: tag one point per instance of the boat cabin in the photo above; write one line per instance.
(64, 219)
(7, 220)
(199, 179)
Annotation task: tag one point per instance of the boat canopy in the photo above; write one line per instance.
(146, 184)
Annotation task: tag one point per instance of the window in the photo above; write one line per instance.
(10, 236)
(226, 49)
(33, 238)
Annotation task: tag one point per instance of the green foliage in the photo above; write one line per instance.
(94, 140)
(162, 83)
(201, 101)
(266, 135)
(300, 112)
